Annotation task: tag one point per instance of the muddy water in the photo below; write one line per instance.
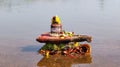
(21, 21)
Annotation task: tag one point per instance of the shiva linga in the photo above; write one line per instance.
(59, 41)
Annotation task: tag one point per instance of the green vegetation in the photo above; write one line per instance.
(50, 46)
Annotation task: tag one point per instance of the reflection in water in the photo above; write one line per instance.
(11, 3)
(63, 61)
(30, 48)
(102, 4)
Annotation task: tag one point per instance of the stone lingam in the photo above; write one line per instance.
(61, 42)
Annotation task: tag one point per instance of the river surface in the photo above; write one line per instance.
(21, 21)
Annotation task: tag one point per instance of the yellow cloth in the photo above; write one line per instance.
(56, 19)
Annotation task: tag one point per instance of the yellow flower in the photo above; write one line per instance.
(76, 44)
(47, 54)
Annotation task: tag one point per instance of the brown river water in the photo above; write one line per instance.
(21, 21)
